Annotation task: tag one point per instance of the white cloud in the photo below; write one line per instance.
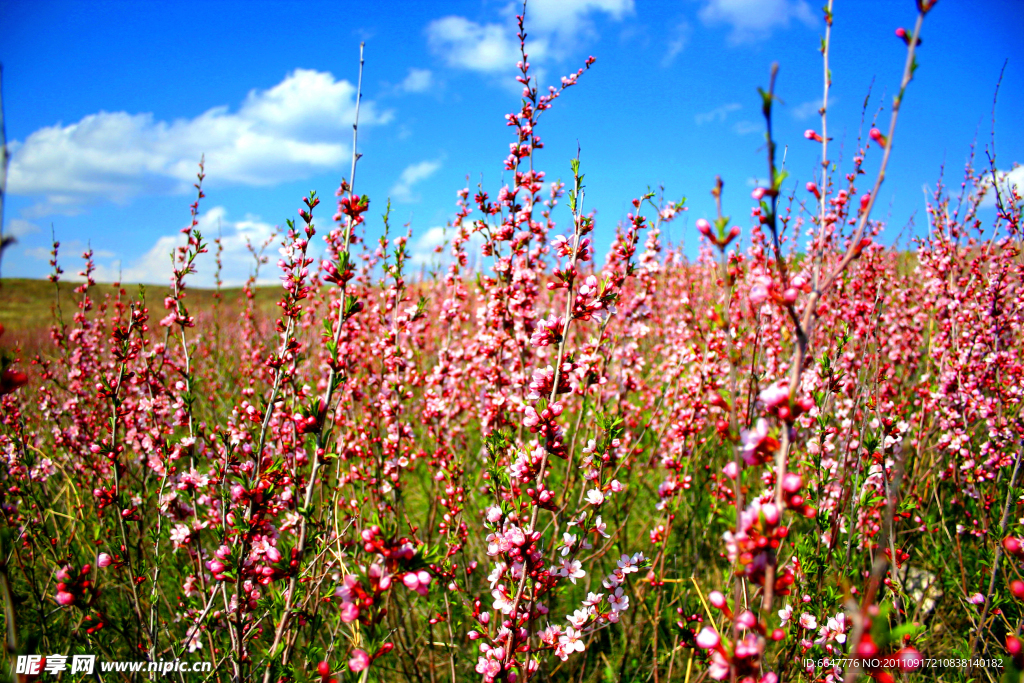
(754, 20)
(70, 252)
(806, 110)
(418, 80)
(423, 251)
(281, 134)
(678, 40)
(717, 114)
(567, 17)
(19, 227)
(747, 127)
(401, 191)
(1014, 178)
(154, 266)
(466, 44)
(554, 27)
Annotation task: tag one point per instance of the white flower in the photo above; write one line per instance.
(600, 527)
(595, 497)
(785, 614)
(808, 622)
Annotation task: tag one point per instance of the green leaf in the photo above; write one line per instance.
(779, 178)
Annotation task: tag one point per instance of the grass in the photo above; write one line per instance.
(27, 306)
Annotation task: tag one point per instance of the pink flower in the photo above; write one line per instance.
(909, 658)
(417, 581)
(349, 612)
(753, 438)
(776, 394)
(571, 642)
(502, 602)
(360, 660)
(579, 617)
(708, 638)
(180, 535)
(761, 285)
(64, 598)
(731, 470)
(548, 332)
(808, 622)
(571, 570)
(490, 668)
(103, 560)
(746, 619)
(618, 601)
(718, 667)
(627, 564)
(837, 627)
(758, 294)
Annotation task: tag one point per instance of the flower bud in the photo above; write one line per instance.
(791, 482)
(708, 638)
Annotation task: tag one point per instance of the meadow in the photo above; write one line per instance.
(795, 457)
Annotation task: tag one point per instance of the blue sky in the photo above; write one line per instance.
(110, 104)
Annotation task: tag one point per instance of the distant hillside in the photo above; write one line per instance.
(27, 306)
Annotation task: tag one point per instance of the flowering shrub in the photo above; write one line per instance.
(800, 449)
